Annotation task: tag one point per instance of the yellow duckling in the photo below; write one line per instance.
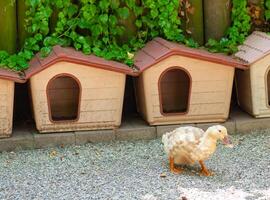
(187, 145)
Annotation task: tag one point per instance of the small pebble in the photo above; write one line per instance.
(163, 175)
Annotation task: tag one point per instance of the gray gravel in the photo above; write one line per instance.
(131, 170)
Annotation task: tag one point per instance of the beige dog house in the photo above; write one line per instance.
(253, 85)
(178, 84)
(72, 91)
(7, 82)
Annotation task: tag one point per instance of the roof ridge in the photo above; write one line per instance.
(254, 48)
(261, 34)
(63, 54)
(163, 43)
(173, 48)
(145, 52)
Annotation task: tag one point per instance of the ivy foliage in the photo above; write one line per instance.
(267, 11)
(93, 26)
(267, 15)
(238, 31)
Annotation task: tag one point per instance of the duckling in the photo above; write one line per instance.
(188, 145)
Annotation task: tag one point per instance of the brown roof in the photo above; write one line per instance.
(256, 46)
(159, 49)
(10, 75)
(69, 54)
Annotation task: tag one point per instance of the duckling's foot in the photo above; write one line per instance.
(205, 171)
(176, 171)
(173, 169)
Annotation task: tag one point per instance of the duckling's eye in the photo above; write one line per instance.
(219, 131)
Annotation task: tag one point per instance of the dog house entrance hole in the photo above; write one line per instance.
(63, 96)
(174, 87)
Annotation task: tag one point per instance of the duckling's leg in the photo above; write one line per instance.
(204, 171)
(172, 167)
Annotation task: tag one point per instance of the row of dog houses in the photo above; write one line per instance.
(174, 84)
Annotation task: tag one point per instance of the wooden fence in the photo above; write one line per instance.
(206, 19)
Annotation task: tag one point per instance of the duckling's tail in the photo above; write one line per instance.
(165, 141)
(164, 138)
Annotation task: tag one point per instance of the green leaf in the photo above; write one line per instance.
(27, 55)
(3, 55)
(138, 23)
(89, 11)
(123, 12)
(112, 20)
(104, 18)
(267, 14)
(72, 9)
(77, 46)
(45, 51)
(81, 39)
(97, 51)
(38, 37)
(267, 4)
(96, 29)
(86, 49)
(50, 41)
(104, 4)
(21, 63)
(115, 4)
(138, 10)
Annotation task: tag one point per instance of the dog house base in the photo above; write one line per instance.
(70, 128)
(170, 122)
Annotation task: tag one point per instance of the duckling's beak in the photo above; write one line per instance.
(227, 142)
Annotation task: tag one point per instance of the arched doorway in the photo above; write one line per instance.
(63, 93)
(174, 91)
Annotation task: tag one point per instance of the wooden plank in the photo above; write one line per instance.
(8, 32)
(195, 21)
(199, 109)
(22, 33)
(216, 18)
(98, 116)
(100, 104)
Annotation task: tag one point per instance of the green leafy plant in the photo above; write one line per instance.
(93, 27)
(267, 10)
(267, 15)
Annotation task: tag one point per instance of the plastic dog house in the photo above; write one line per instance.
(7, 80)
(178, 84)
(72, 91)
(253, 85)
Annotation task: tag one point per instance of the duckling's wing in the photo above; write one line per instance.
(184, 137)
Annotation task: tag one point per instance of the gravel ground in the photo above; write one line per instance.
(136, 170)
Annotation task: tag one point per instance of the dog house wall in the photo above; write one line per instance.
(210, 88)
(7, 82)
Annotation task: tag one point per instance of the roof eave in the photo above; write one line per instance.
(62, 57)
(235, 64)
